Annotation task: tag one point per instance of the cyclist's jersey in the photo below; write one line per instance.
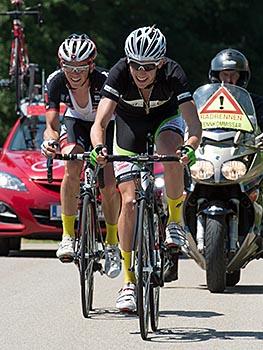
(135, 119)
(57, 91)
(169, 91)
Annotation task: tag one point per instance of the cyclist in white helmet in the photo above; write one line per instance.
(77, 84)
(149, 93)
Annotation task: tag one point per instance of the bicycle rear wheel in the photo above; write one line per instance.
(87, 254)
(144, 269)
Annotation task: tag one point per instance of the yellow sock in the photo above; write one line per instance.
(128, 275)
(68, 223)
(175, 208)
(111, 234)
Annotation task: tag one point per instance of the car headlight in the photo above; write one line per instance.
(11, 182)
(202, 170)
(159, 182)
(233, 169)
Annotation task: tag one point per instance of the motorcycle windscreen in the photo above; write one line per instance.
(225, 106)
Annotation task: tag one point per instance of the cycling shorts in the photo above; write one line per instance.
(77, 132)
(135, 140)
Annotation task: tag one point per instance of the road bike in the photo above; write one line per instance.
(22, 73)
(149, 252)
(89, 246)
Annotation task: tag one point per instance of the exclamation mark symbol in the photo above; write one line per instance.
(221, 98)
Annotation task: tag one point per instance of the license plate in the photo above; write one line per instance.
(100, 213)
(55, 212)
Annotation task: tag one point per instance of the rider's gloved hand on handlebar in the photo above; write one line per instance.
(49, 147)
(188, 155)
(97, 155)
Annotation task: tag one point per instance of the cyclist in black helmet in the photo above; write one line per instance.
(231, 66)
(149, 93)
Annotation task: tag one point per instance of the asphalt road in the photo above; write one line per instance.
(40, 309)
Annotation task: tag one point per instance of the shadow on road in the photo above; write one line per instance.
(190, 335)
(245, 289)
(30, 253)
(196, 314)
(111, 314)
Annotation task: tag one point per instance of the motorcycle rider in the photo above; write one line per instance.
(232, 67)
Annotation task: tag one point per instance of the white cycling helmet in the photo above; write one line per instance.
(77, 48)
(145, 44)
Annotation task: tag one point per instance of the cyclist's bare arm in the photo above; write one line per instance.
(190, 115)
(105, 111)
(52, 125)
(51, 133)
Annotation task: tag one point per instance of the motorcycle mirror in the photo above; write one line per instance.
(259, 137)
(237, 138)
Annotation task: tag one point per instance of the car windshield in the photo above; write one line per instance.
(29, 135)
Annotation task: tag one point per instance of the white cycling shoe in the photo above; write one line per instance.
(175, 235)
(112, 266)
(65, 251)
(126, 300)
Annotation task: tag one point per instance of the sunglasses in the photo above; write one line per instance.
(147, 67)
(74, 69)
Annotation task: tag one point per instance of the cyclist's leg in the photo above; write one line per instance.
(130, 139)
(69, 189)
(111, 209)
(126, 300)
(169, 138)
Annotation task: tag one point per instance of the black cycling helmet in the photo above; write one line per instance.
(230, 59)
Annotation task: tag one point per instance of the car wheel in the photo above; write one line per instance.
(14, 243)
(4, 246)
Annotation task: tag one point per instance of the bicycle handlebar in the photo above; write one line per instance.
(142, 158)
(17, 14)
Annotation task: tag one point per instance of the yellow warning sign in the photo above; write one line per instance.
(223, 111)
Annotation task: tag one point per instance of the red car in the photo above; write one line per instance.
(29, 205)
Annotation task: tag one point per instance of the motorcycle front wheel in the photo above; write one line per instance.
(214, 253)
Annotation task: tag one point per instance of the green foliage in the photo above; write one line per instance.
(195, 30)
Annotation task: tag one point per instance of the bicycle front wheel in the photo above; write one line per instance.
(144, 268)
(158, 267)
(87, 254)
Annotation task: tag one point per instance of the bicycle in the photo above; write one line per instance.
(149, 251)
(88, 251)
(19, 66)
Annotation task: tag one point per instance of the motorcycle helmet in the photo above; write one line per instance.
(145, 44)
(230, 59)
(77, 48)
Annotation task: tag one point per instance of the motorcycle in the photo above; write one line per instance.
(222, 209)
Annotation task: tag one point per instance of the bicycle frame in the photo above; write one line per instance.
(19, 60)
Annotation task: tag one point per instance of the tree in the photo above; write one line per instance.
(195, 30)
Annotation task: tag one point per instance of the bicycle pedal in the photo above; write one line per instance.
(98, 267)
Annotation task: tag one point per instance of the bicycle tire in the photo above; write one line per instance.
(144, 270)
(158, 262)
(87, 254)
